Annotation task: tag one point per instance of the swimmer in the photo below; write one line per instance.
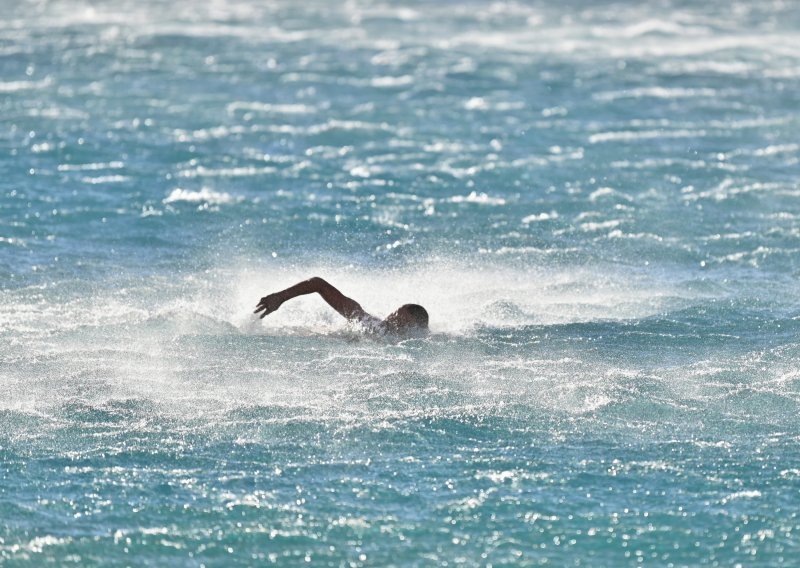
(407, 318)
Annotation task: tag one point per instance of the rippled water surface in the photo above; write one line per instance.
(597, 202)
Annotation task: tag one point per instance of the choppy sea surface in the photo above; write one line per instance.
(597, 202)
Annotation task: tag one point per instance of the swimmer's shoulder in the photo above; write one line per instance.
(371, 324)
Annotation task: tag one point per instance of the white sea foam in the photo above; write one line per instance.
(476, 197)
(242, 171)
(632, 135)
(105, 179)
(777, 149)
(601, 225)
(744, 494)
(650, 26)
(389, 82)
(608, 193)
(94, 166)
(655, 92)
(537, 217)
(205, 195)
(689, 67)
(15, 86)
(271, 108)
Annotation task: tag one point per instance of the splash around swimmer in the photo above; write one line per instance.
(408, 318)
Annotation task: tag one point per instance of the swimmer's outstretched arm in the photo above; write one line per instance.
(348, 307)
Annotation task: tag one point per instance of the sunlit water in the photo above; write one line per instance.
(598, 204)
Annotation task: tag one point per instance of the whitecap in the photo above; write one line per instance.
(608, 192)
(649, 27)
(540, 217)
(745, 494)
(105, 179)
(590, 227)
(94, 166)
(16, 86)
(242, 171)
(655, 92)
(204, 195)
(480, 198)
(389, 81)
(270, 108)
(631, 135)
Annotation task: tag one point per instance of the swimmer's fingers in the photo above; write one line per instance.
(267, 311)
(268, 304)
(262, 306)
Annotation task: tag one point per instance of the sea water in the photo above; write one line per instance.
(597, 202)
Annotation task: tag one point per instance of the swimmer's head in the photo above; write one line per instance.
(407, 318)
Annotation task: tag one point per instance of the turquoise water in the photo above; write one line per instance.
(598, 204)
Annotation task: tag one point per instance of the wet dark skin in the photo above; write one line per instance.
(399, 321)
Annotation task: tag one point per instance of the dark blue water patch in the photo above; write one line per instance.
(728, 325)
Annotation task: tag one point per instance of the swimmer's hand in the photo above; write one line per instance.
(269, 304)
